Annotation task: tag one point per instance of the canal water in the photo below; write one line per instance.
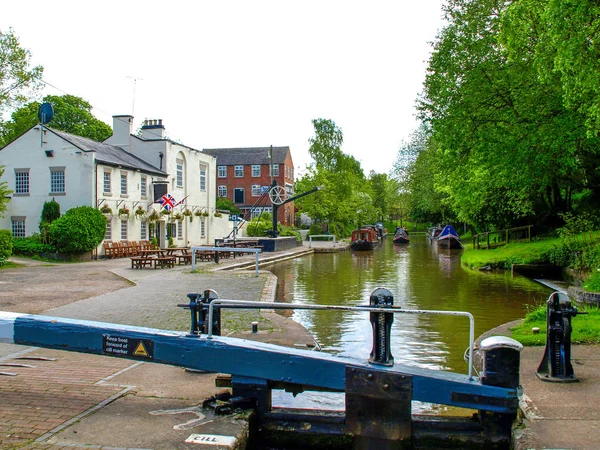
(420, 276)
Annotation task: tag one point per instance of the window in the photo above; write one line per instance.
(238, 171)
(57, 180)
(222, 191)
(18, 227)
(256, 212)
(123, 184)
(275, 170)
(106, 184)
(256, 190)
(108, 233)
(238, 195)
(144, 186)
(222, 171)
(180, 229)
(179, 172)
(255, 171)
(21, 181)
(202, 229)
(203, 178)
(123, 230)
(144, 230)
(289, 189)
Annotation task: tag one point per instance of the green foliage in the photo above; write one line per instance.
(315, 228)
(6, 245)
(79, 230)
(18, 80)
(71, 114)
(50, 211)
(592, 284)
(258, 227)
(511, 135)
(284, 230)
(32, 245)
(4, 192)
(225, 204)
(586, 328)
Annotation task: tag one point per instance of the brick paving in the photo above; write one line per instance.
(43, 398)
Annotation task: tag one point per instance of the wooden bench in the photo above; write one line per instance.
(164, 261)
(185, 258)
(138, 262)
(205, 255)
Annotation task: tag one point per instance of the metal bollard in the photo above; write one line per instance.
(198, 307)
(382, 328)
(556, 363)
(501, 361)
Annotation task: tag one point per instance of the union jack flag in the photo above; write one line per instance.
(167, 201)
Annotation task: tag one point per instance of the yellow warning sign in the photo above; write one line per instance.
(140, 350)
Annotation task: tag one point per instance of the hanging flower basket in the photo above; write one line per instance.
(165, 212)
(140, 213)
(178, 216)
(198, 213)
(187, 213)
(106, 210)
(153, 217)
(204, 213)
(124, 213)
(218, 214)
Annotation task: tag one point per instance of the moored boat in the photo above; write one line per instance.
(401, 236)
(365, 238)
(448, 238)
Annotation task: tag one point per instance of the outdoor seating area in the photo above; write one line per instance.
(124, 249)
(163, 258)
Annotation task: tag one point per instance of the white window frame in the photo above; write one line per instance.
(256, 170)
(222, 191)
(202, 178)
(106, 183)
(124, 229)
(180, 229)
(108, 232)
(17, 226)
(179, 172)
(58, 180)
(275, 170)
(256, 190)
(143, 230)
(222, 171)
(123, 183)
(202, 229)
(143, 186)
(22, 182)
(238, 171)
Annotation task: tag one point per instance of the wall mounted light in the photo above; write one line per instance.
(49, 153)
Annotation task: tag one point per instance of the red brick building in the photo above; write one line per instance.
(244, 174)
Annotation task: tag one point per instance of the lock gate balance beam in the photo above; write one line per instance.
(239, 357)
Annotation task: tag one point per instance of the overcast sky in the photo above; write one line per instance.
(240, 73)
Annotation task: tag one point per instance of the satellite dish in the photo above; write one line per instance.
(45, 113)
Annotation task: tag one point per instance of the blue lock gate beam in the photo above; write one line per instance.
(243, 358)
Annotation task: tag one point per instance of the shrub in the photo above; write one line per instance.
(32, 245)
(258, 227)
(6, 244)
(284, 230)
(315, 228)
(50, 211)
(79, 230)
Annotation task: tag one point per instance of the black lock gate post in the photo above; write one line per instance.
(198, 306)
(556, 363)
(382, 327)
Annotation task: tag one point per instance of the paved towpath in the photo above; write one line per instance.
(59, 400)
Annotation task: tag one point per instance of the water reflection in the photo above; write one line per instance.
(420, 277)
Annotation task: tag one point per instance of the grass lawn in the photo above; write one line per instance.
(586, 328)
(514, 253)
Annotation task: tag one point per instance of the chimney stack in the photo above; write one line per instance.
(153, 129)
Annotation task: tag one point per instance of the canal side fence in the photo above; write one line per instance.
(491, 239)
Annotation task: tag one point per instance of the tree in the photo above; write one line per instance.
(507, 149)
(71, 114)
(4, 193)
(18, 80)
(79, 230)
